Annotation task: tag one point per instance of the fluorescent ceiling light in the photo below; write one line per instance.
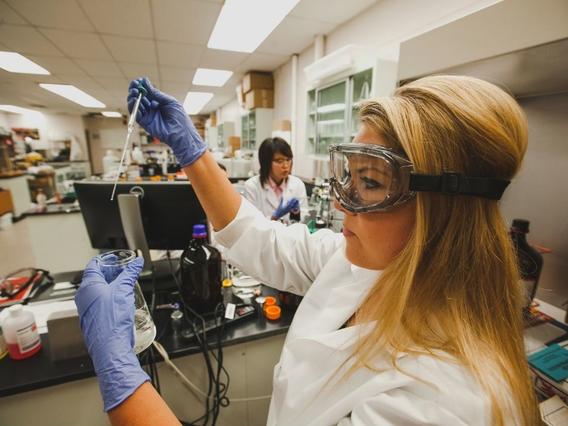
(243, 24)
(73, 94)
(14, 62)
(17, 110)
(195, 101)
(210, 77)
(113, 114)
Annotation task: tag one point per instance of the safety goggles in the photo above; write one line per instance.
(372, 178)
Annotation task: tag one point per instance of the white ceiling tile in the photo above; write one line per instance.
(62, 14)
(84, 83)
(177, 90)
(128, 49)
(27, 40)
(293, 35)
(187, 21)
(320, 10)
(179, 55)
(58, 65)
(112, 85)
(221, 59)
(262, 62)
(8, 16)
(78, 45)
(100, 68)
(123, 17)
(177, 75)
(134, 70)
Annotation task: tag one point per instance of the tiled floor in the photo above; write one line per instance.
(15, 248)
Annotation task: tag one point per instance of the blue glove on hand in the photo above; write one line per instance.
(164, 118)
(293, 205)
(106, 311)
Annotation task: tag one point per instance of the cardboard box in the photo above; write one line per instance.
(6, 204)
(260, 98)
(282, 125)
(257, 80)
(213, 118)
(234, 144)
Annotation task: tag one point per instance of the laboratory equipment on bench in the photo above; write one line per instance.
(528, 258)
(112, 264)
(130, 129)
(200, 266)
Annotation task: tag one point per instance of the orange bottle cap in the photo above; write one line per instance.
(269, 301)
(272, 312)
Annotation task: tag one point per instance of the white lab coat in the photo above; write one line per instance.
(306, 388)
(266, 200)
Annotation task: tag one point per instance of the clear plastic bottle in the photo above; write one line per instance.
(20, 332)
(111, 264)
(529, 260)
(200, 267)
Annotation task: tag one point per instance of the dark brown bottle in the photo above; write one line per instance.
(529, 260)
(200, 266)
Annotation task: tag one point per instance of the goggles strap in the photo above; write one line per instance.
(451, 183)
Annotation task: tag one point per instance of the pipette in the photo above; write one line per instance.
(130, 129)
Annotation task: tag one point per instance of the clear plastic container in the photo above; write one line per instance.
(111, 264)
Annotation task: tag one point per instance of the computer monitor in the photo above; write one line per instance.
(169, 210)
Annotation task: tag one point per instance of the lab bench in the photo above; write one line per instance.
(251, 349)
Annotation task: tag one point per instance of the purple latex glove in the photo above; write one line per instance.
(106, 312)
(293, 205)
(163, 117)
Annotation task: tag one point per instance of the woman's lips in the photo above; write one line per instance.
(347, 232)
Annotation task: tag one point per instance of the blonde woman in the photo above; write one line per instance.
(413, 315)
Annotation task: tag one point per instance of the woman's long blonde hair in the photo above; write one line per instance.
(454, 287)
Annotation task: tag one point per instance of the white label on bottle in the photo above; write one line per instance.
(230, 311)
(27, 338)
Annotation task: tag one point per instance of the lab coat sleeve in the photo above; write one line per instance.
(250, 192)
(402, 407)
(287, 258)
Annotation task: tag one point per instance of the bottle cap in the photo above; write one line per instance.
(227, 283)
(269, 301)
(521, 225)
(199, 231)
(272, 312)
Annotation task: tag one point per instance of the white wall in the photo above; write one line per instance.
(382, 27)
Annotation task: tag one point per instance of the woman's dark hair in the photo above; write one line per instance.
(268, 148)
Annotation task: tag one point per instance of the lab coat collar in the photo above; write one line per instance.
(331, 302)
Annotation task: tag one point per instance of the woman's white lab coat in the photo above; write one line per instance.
(307, 388)
(266, 200)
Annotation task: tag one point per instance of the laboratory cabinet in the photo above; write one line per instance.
(224, 130)
(332, 111)
(256, 126)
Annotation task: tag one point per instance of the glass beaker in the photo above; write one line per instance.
(112, 263)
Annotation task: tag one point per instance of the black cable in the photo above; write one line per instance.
(217, 390)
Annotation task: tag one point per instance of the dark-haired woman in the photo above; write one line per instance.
(275, 192)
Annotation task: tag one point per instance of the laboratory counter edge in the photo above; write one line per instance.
(39, 371)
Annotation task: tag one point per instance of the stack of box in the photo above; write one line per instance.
(258, 88)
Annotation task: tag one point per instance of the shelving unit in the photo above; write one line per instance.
(224, 130)
(256, 125)
(332, 111)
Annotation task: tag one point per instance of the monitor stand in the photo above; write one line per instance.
(131, 218)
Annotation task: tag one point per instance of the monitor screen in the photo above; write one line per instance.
(169, 211)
